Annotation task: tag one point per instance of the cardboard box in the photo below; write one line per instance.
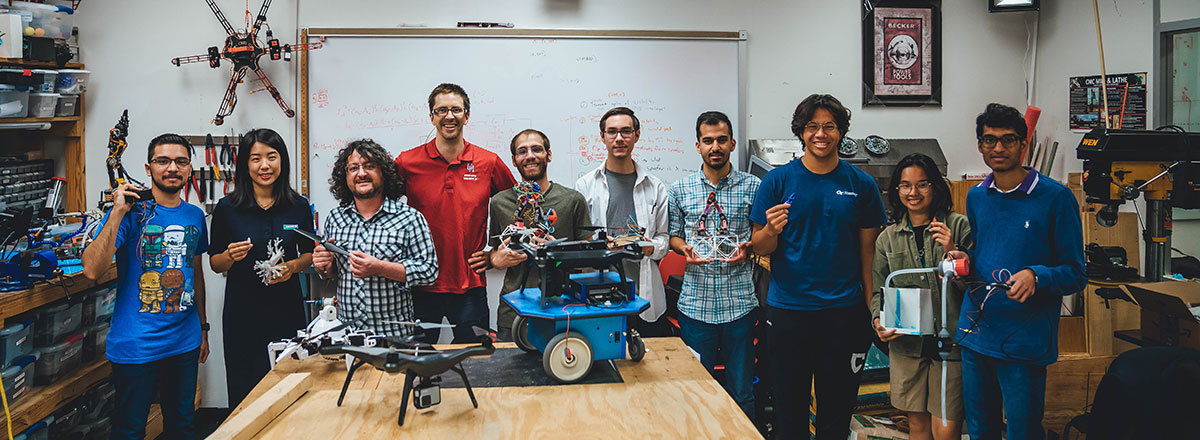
(864, 427)
(1166, 312)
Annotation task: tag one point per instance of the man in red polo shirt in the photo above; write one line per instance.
(450, 181)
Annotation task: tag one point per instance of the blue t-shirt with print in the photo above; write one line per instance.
(155, 316)
(816, 265)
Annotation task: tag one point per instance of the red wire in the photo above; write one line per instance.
(566, 346)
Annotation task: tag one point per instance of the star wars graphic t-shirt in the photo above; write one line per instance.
(155, 316)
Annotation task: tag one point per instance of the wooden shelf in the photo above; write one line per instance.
(20, 301)
(54, 119)
(44, 400)
(37, 64)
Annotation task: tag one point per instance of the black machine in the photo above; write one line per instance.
(1162, 165)
(559, 258)
(420, 363)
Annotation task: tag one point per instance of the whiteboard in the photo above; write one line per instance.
(377, 86)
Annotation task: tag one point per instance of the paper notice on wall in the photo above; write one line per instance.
(1126, 102)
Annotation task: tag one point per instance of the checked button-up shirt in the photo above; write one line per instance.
(718, 292)
(397, 233)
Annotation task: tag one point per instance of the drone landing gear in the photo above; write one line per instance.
(350, 375)
(422, 401)
(423, 398)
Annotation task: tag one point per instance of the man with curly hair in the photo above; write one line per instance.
(391, 250)
(451, 180)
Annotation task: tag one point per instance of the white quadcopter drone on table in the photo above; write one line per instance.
(327, 330)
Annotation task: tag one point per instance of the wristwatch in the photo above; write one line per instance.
(205, 327)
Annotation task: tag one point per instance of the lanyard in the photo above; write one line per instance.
(710, 205)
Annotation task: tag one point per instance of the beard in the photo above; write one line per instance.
(159, 182)
(535, 175)
(716, 164)
(375, 190)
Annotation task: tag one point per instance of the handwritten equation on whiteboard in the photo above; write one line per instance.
(561, 87)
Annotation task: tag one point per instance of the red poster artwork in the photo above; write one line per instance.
(902, 50)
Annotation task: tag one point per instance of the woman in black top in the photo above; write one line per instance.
(262, 208)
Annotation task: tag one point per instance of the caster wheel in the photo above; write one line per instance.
(564, 367)
(520, 334)
(290, 113)
(218, 120)
(637, 347)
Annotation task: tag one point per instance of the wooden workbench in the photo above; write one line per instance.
(666, 395)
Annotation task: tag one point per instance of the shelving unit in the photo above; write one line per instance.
(44, 400)
(70, 128)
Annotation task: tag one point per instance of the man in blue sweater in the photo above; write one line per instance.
(1029, 238)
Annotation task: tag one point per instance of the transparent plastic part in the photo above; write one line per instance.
(715, 247)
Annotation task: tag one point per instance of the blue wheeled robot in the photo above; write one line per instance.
(575, 319)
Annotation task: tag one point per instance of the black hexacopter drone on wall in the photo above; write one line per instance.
(243, 49)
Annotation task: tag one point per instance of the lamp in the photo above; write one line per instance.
(1013, 5)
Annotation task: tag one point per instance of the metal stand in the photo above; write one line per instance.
(1158, 248)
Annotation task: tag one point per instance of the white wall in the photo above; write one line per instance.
(795, 48)
(1176, 10)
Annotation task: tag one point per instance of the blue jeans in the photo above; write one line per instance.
(991, 384)
(735, 340)
(176, 380)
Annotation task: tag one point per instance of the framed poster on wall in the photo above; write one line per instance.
(902, 62)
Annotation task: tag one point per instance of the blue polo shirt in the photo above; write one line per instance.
(1035, 226)
(816, 265)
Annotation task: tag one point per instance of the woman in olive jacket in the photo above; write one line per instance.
(923, 230)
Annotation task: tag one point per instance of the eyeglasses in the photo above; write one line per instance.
(624, 132)
(1008, 140)
(163, 162)
(923, 186)
(441, 111)
(536, 149)
(368, 167)
(828, 128)
(720, 140)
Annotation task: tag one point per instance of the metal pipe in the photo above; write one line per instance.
(1158, 261)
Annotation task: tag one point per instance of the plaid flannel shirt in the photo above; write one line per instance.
(397, 233)
(717, 292)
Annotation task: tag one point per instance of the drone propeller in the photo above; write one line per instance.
(554, 242)
(410, 341)
(423, 325)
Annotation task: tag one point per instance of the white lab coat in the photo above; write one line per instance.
(650, 206)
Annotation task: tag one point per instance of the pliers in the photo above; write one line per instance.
(189, 186)
(228, 157)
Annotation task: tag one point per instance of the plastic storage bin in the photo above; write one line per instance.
(93, 341)
(39, 430)
(15, 341)
(97, 430)
(99, 304)
(48, 80)
(99, 401)
(71, 81)
(66, 421)
(18, 379)
(42, 105)
(14, 101)
(57, 360)
(52, 19)
(20, 77)
(55, 322)
(66, 105)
